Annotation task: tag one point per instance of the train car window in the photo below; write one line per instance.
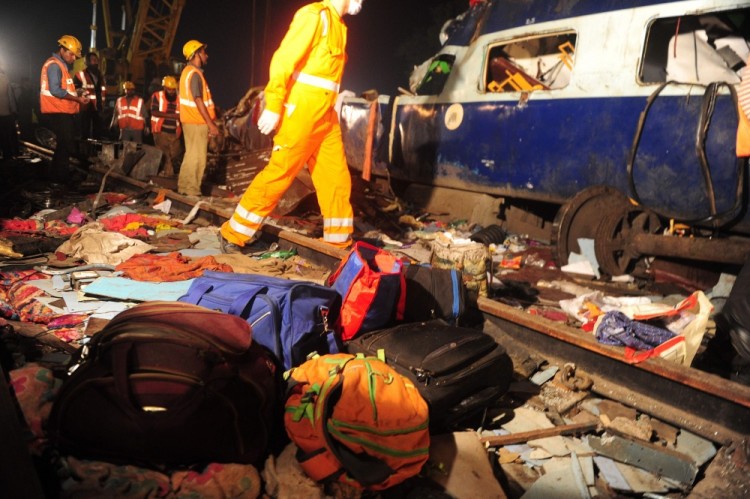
(697, 49)
(438, 70)
(529, 64)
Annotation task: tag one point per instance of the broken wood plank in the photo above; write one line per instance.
(525, 436)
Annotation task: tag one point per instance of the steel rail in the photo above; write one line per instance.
(708, 405)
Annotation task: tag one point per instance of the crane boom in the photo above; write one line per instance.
(145, 37)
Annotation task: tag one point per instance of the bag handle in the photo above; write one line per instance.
(197, 290)
(239, 305)
(125, 399)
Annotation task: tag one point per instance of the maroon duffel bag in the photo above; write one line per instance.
(169, 383)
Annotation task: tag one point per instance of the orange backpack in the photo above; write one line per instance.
(356, 420)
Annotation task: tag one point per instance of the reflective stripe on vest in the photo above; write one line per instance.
(87, 83)
(48, 103)
(188, 109)
(157, 122)
(129, 115)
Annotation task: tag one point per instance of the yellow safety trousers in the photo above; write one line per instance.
(309, 134)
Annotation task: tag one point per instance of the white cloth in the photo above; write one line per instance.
(692, 60)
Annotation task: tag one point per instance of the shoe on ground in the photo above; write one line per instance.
(256, 247)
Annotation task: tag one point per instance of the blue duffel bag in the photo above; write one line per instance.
(290, 318)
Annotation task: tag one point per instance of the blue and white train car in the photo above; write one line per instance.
(544, 99)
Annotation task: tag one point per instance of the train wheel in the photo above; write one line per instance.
(615, 251)
(580, 216)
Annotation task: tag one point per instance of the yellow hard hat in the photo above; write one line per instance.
(169, 82)
(71, 43)
(128, 85)
(191, 47)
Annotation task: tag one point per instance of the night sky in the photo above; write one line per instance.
(385, 40)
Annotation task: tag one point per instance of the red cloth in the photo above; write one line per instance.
(168, 268)
(19, 225)
(119, 222)
(53, 227)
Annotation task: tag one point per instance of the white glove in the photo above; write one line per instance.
(268, 121)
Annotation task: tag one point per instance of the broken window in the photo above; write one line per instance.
(697, 49)
(437, 70)
(528, 64)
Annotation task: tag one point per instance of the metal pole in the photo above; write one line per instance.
(92, 45)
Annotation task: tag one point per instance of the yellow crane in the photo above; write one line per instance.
(141, 43)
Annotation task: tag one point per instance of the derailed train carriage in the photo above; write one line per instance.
(620, 114)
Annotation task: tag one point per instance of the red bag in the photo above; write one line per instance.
(372, 286)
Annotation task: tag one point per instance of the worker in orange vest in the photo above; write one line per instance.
(59, 104)
(94, 86)
(165, 123)
(305, 74)
(197, 114)
(130, 114)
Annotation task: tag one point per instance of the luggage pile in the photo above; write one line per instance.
(375, 362)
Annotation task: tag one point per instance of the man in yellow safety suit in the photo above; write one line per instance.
(197, 115)
(305, 74)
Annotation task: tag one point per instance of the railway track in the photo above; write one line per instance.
(708, 405)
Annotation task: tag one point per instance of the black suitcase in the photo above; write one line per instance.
(459, 371)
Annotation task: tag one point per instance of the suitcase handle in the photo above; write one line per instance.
(239, 304)
(121, 379)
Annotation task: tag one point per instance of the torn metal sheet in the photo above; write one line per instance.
(542, 377)
(658, 460)
(697, 448)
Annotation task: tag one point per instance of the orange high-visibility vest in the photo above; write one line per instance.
(188, 109)
(129, 114)
(165, 106)
(87, 83)
(48, 103)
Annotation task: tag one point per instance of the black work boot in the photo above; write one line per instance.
(251, 248)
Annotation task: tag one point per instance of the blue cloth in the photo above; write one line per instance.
(619, 330)
(54, 77)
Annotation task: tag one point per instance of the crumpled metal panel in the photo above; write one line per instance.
(658, 460)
